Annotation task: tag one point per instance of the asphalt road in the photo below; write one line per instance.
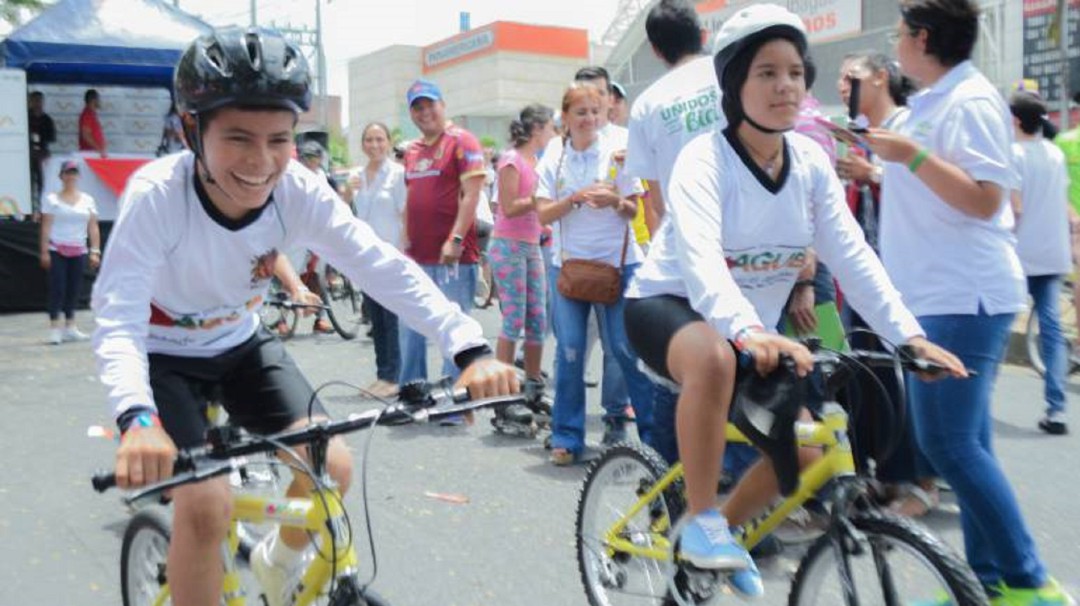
(510, 544)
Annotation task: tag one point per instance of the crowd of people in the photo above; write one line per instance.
(697, 228)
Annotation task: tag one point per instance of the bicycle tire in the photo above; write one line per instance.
(275, 317)
(642, 467)
(342, 303)
(144, 551)
(1070, 327)
(887, 535)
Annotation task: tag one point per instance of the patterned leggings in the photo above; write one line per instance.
(519, 277)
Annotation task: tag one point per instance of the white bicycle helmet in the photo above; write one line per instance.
(750, 24)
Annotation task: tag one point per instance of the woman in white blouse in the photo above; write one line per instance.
(584, 192)
(380, 202)
(947, 244)
(68, 218)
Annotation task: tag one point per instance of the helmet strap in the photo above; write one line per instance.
(770, 131)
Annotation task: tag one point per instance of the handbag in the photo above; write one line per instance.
(587, 280)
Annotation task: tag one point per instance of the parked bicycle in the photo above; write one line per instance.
(630, 502)
(279, 314)
(343, 301)
(331, 573)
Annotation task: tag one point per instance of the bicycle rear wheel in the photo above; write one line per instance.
(142, 559)
(613, 484)
(276, 319)
(891, 561)
(343, 302)
(1069, 329)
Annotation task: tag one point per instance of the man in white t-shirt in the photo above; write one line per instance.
(1042, 242)
(682, 104)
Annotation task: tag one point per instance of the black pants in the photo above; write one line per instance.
(65, 284)
(384, 331)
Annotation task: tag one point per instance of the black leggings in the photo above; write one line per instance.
(65, 284)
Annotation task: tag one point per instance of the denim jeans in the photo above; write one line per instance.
(65, 284)
(458, 283)
(952, 425)
(570, 320)
(614, 394)
(1055, 351)
(384, 332)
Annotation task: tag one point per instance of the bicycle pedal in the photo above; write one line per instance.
(514, 429)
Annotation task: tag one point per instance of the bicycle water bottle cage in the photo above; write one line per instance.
(765, 410)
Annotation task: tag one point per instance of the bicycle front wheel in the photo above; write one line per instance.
(613, 484)
(889, 561)
(1069, 330)
(343, 302)
(142, 560)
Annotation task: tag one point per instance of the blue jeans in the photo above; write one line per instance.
(384, 332)
(65, 284)
(458, 284)
(570, 320)
(1055, 351)
(952, 425)
(614, 394)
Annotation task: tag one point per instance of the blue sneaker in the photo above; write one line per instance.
(706, 542)
(747, 582)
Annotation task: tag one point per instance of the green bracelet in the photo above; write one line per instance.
(920, 157)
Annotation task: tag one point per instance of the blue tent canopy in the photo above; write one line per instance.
(120, 42)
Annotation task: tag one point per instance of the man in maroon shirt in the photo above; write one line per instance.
(91, 138)
(444, 170)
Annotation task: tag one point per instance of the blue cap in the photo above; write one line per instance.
(423, 89)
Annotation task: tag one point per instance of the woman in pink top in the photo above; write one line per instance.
(515, 250)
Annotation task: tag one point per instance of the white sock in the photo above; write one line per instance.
(281, 555)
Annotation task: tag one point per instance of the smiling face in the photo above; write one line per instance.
(246, 153)
(375, 143)
(582, 117)
(775, 85)
(429, 116)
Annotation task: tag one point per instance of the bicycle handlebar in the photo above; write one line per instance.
(417, 402)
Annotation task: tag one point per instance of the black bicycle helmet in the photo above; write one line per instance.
(251, 67)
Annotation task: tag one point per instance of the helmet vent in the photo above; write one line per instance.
(253, 50)
(216, 57)
(290, 59)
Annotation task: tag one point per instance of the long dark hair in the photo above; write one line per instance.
(900, 86)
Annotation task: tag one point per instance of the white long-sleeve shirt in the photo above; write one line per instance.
(736, 242)
(180, 279)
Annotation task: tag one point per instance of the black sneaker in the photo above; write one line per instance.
(1054, 424)
(614, 432)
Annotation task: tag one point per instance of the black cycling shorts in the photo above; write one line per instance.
(257, 382)
(652, 322)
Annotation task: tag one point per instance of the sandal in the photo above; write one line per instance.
(913, 501)
(562, 457)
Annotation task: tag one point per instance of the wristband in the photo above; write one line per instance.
(95, 251)
(141, 419)
(456, 239)
(920, 157)
(809, 283)
(464, 358)
(744, 334)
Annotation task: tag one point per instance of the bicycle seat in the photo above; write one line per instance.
(765, 410)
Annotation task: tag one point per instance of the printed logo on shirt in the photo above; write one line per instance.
(762, 267)
(423, 169)
(922, 130)
(692, 115)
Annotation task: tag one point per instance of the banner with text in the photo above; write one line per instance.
(1042, 47)
(825, 20)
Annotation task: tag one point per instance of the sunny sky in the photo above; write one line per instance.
(356, 27)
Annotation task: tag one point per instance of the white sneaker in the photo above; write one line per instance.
(71, 333)
(274, 580)
(56, 336)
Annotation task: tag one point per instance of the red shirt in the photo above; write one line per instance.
(433, 177)
(89, 118)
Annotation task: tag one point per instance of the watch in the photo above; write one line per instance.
(875, 174)
(456, 239)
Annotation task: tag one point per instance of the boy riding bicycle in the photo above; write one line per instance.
(188, 265)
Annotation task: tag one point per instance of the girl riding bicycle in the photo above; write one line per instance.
(745, 204)
(187, 269)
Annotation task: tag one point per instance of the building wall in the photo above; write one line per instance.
(377, 85)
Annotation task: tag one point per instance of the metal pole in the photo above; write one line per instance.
(321, 58)
(1063, 38)
(254, 14)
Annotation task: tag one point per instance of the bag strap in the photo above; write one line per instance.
(562, 227)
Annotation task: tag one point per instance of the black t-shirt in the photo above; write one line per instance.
(42, 133)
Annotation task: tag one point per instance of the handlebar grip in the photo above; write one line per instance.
(103, 480)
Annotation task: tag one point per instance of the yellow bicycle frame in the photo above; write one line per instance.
(306, 514)
(837, 461)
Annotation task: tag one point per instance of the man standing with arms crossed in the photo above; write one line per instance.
(444, 170)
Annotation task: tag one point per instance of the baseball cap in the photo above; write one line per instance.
(618, 90)
(423, 89)
(311, 149)
(69, 166)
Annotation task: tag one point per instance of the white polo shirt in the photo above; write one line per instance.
(679, 106)
(943, 260)
(586, 232)
(1042, 234)
(735, 241)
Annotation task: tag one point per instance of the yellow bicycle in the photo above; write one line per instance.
(330, 575)
(631, 499)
